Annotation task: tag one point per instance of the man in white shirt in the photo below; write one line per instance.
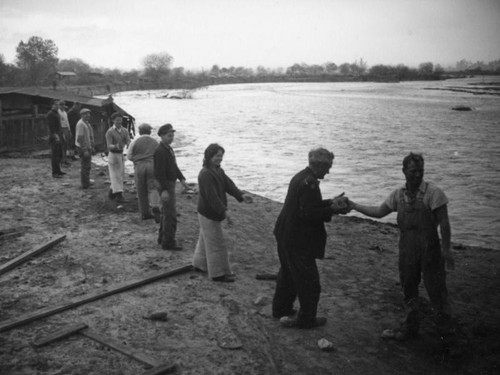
(84, 141)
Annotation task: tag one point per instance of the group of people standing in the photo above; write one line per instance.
(300, 227)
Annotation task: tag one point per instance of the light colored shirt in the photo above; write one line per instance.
(142, 149)
(117, 137)
(433, 196)
(64, 118)
(84, 137)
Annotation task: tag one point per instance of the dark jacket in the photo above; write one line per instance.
(54, 124)
(213, 184)
(165, 166)
(300, 226)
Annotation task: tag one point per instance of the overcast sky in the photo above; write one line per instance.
(249, 33)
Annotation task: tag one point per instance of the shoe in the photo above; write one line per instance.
(147, 217)
(67, 164)
(173, 247)
(57, 175)
(224, 279)
(400, 334)
(156, 214)
(62, 173)
(119, 198)
(196, 269)
(111, 195)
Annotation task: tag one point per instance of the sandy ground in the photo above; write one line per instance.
(207, 327)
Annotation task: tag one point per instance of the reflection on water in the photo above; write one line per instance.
(268, 129)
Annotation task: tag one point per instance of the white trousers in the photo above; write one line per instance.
(211, 253)
(116, 169)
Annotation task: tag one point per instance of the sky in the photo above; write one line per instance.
(271, 33)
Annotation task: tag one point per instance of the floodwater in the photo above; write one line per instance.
(268, 129)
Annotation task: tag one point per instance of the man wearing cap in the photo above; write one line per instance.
(84, 142)
(116, 138)
(141, 153)
(55, 140)
(166, 174)
(301, 238)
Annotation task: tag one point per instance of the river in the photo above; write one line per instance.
(268, 129)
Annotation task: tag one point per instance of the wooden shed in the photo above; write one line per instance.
(23, 116)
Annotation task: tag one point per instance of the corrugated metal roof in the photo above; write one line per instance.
(58, 95)
(54, 94)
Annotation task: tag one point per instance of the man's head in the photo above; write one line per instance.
(413, 169)
(320, 161)
(166, 133)
(62, 104)
(85, 113)
(145, 129)
(77, 105)
(117, 119)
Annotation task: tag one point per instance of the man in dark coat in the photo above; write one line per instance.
(301, 237)
(166, 174)
(55, 140)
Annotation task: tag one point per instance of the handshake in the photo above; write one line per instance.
(341, 205)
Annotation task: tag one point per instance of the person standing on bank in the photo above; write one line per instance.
(301, 238)
(66, 132)
(55, 140)
(141, 153)
(117, 139)
(84, 142)
(166, 174)
(211, 254)
(421, 208)
(73, 118)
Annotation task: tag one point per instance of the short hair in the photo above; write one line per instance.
(320, 156)
(210, 151)
(115, 115)
(411, 157)
(145, 129)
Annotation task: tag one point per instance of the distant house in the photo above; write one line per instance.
(61, 78)
(23, 113)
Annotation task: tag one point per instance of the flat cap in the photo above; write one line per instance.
(164, 129)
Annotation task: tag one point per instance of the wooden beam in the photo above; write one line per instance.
(161, 370)
(113, 344)
(51, 310)
(60, 334)
(28, 255)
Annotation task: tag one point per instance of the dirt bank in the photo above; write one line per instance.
(213, 328)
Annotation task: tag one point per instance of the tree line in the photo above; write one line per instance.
(37, 61)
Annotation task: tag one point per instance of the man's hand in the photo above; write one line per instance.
(165, 196)
(229, 221)
(340, 204)
(247, 198)
(448, 257)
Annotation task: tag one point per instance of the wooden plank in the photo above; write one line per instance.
(113, 344)
(9, 236)
(28, 255)
(51, 310)
(161, 370)
(60, 334)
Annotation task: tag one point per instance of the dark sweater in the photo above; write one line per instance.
(165, 166)
(213, 184)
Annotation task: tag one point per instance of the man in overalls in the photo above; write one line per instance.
(421, 208)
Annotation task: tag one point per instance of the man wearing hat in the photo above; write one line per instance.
(117, 138)
(301, 237)
(84, 142)
(166, 174)
(141, 152)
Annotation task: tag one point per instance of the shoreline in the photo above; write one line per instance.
(108, 244)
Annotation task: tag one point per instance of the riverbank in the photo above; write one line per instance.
(206, 327)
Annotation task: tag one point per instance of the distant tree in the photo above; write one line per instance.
(296, 69)
(262, 71)
(157, 66)
(426, 68)
(358, 68)
(215, 71)
(463, 65)
(37, 58)
(77, 66)
(345, 68)
(330, 68)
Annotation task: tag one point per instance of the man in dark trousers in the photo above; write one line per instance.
(421, 208)
(55, 140)
(301, 237)
(166, 174)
